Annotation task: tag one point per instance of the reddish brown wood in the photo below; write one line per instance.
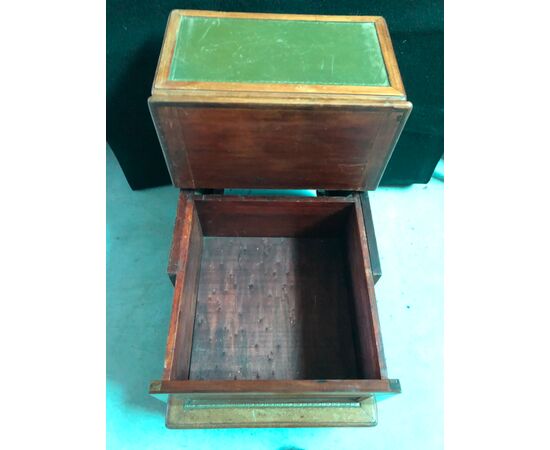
(274, 297)
(273, 308)
(370, 354)
(272, 217)
(173, 259)
(276, 388)
(178, 349)
(274, 288)
(218, 145)
(367, 216)
(374, 257)
(369, 229)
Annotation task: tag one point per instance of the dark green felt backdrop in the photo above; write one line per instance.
(134, 36)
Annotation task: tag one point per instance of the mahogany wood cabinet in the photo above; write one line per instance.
(274, 319)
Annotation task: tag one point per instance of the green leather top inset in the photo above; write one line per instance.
(277, 51)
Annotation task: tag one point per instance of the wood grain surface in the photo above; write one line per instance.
(180, 334)
(273, 308)
(337, 389)
(274, 301)
(276, 146)
(269, 217)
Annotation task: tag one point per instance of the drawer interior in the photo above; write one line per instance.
(273, 289)
(273, 308)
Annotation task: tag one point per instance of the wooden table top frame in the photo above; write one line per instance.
(164, 86)
(196, 400)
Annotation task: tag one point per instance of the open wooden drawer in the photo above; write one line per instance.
(274, 319)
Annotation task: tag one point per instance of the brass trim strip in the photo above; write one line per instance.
(194, 405)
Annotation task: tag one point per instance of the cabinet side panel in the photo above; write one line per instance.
(369, 342)
(388, 134)
(173, 260)
(277, 146)
(172, 141)
(180, 335)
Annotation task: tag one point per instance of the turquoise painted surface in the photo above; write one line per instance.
(409, 231)
(273, 192)
(278, 51)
